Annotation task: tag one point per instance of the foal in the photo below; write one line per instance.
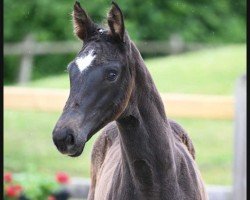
(141, 154)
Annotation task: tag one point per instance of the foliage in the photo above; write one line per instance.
(205, 21)
(196, 21)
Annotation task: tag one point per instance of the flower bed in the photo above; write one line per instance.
(36, 186)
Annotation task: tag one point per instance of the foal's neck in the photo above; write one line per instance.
(145, 135)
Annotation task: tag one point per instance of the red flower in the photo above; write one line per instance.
(51, 197)
(62, 177)
(13, 190)
(18, 187)
(8, 177)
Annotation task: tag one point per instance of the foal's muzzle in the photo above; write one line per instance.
(66, 142)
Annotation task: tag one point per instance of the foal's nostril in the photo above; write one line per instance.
(70, 139)
(64, 139)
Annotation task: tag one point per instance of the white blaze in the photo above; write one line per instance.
(84, 62)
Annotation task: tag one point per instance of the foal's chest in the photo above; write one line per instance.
(107, 174)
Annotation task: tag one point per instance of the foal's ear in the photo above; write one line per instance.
(83, 25)
(115, 22)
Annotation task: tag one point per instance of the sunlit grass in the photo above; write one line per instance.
(213, 141)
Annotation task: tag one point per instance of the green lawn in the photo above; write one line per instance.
(28, 146)
(27, 135)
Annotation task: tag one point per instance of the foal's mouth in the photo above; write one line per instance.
(77, 153)
(89, 135)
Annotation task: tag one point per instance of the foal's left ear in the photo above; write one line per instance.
(115, 22)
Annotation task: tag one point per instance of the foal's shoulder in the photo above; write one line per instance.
(103, 142)
(110, 132)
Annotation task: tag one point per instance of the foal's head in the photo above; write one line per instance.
(101, 80)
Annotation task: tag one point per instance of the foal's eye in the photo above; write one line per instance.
(111, 75)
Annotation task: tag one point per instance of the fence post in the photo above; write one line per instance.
(26, 60)
(239, 170)
(176, 44)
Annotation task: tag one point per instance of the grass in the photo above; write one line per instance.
(208, 71)
(213, 141)
(28, 146)
(27, 135)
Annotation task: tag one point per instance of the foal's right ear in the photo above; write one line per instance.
(116, 22)
(83, 25)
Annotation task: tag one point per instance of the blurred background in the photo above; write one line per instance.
(195, 51)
